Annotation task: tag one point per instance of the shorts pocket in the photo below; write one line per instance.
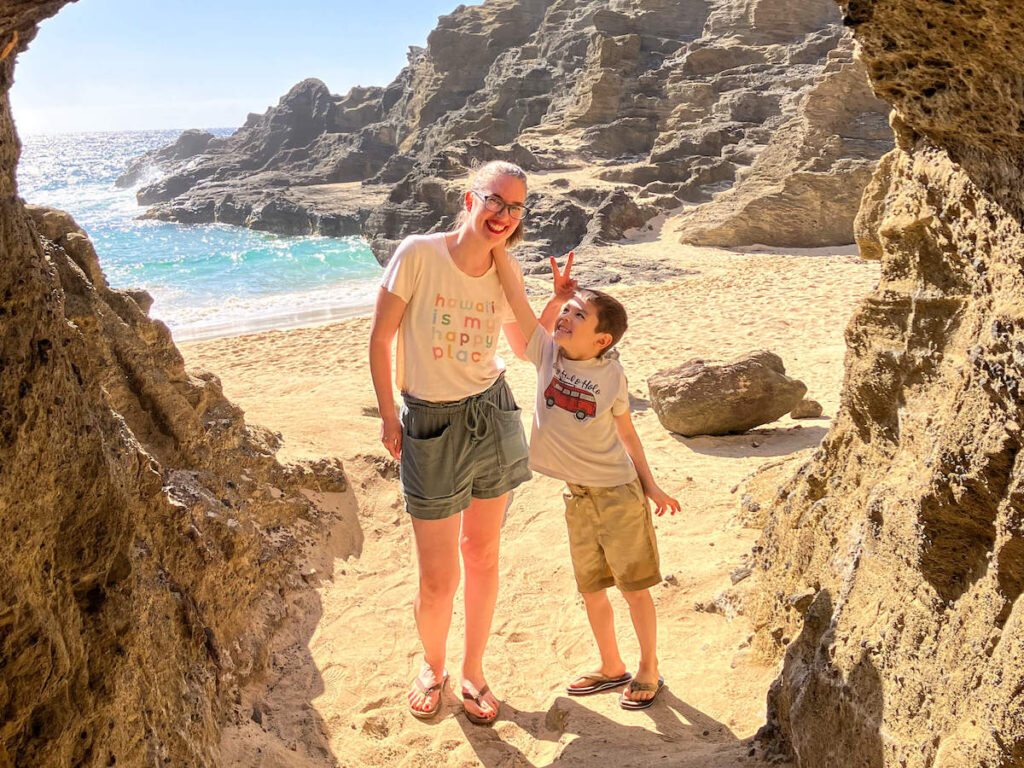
(426, 469)
(511, 438)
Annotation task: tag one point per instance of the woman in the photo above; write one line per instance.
(460, 439)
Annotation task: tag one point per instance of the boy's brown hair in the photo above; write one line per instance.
(611, 315)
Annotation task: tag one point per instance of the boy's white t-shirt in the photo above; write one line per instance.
(449, 333)
(574, 437)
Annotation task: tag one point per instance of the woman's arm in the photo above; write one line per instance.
(515, 294)
(516, 340)
(387, 316)
(631, 441)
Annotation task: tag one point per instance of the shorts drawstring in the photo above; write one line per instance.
(477, 421)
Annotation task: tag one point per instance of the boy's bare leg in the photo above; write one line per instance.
(602, 624)
(645, 623)
(481, 529)
(437, 551)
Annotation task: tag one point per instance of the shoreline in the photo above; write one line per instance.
(314, 318)
(291, 321)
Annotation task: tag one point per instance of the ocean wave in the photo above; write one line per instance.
(201, 276)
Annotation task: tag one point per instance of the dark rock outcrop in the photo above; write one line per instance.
(702, 397)
(186, 146)
(907, 524)
(684, 94)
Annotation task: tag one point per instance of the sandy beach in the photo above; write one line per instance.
(338, 682)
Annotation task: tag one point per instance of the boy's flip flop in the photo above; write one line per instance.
(641, 703)
(599, 682)
(426, 714)
(478, 699)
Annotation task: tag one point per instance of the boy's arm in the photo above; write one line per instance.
(515, 293)
(563, 288)
(549, 316)
(631, 441)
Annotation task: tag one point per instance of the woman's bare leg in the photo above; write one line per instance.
(437, 552)
(481, 531)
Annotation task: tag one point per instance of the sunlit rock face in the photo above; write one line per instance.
(752, 113)
(906, 528)
(149, 535)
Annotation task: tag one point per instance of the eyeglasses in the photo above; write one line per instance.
(495, 204)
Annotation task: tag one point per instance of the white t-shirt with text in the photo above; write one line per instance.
(574, 437)
(449, 333)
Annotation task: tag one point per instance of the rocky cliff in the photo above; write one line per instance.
(151, 539)
(892, 565)
(748, 112)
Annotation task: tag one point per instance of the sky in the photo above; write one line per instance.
(107, 65)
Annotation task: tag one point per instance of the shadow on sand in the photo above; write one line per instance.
(770, 442)
(671, 732)
(279, 724)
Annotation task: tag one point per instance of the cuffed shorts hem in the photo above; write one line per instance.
(597, 586)
(636, 586)
(436, 509)
(515, 476)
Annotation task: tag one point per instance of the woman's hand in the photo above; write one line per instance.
(563, 286)
(391, 435)
(662, 502)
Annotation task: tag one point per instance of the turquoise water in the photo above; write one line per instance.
(206, 280)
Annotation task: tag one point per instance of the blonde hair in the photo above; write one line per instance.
(479, 179)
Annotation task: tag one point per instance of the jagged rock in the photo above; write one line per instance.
(701, 397)
(280, 215)
(906, 522)
(186, 146)
(806, 409)
(616, 215)
(689, 94)
(800, 190)
(145, 564)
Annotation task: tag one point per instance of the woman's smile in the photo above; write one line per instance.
(496, 227)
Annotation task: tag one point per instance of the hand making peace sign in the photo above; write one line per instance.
(563, 286)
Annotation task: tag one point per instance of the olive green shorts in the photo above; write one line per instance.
(452, 453)
(611, 537)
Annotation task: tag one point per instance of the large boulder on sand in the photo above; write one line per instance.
(702, 397)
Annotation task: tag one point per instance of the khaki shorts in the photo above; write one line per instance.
(611, 537)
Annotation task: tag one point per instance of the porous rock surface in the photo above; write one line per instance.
(905, 530)
(806, 409)
(704, 397)
(150, 538)
(663, 102)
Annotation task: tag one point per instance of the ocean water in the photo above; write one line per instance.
(206, 280)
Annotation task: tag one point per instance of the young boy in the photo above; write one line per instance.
(583, 434)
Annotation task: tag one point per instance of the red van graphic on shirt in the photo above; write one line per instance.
(577, 401)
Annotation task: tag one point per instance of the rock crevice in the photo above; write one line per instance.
(907, 523)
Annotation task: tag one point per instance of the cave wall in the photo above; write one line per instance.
(150, 538)
(892, 563)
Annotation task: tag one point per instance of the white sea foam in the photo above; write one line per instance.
(207, 280)
(236, 316)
